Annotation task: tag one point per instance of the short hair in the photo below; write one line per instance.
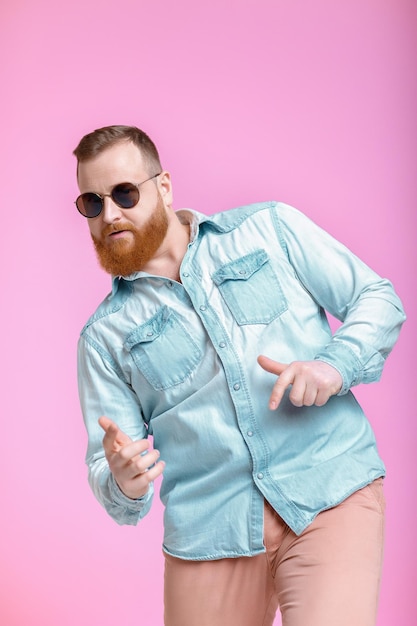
(99, 140)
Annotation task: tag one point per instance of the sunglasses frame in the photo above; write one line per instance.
(110, 195)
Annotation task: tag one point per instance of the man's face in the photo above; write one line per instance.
(126, 239)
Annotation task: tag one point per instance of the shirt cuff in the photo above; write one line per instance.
(118, 497)
(343, 359)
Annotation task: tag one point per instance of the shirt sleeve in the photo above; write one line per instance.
(367, 305)
(103, 391)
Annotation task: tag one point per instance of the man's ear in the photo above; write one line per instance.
(165, 188)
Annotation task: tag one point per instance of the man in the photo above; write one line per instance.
(214, 341)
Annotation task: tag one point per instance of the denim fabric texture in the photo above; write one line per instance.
(177, 360)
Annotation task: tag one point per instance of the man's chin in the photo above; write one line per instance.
(122, 264)
(116, 268)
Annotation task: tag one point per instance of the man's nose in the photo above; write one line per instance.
(111, 212)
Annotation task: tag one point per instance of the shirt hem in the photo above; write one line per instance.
(213, 557)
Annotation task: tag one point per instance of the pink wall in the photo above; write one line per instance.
(312, 103)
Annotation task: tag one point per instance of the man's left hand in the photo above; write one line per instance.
(313, 382)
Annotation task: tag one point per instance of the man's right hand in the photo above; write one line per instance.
(130, 467)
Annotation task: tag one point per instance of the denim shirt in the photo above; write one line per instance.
(177, 360)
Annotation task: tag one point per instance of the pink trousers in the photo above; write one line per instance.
(328, 576)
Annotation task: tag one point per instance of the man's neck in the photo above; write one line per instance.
(167, 261)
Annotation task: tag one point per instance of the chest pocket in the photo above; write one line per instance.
(251, 289)
(163, 350)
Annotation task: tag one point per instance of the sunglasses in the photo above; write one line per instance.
(125, 195)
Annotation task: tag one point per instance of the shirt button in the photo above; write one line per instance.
(236, 386)
(250, 433)
(260, 475)
(149, 334)
(243, 272)
(203, 308)
(186, 274)
(222, 344)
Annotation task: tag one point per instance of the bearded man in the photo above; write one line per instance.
(215, 341)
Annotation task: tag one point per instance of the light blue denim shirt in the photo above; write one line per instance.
(178, 361)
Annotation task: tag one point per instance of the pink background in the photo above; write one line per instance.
(311, 103)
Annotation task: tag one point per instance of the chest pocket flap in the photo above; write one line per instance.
(163, 350)
(251, 289)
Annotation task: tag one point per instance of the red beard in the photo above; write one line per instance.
(121, 257)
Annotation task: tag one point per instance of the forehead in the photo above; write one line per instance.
(122, 162)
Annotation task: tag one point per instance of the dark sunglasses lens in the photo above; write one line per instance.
(125, 195)
(89, 204)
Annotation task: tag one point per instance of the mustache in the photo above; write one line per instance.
(116, 228)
